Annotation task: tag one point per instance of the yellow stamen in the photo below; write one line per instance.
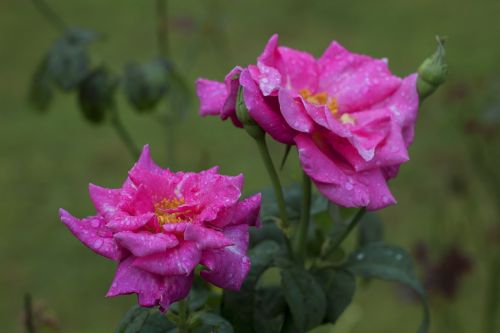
(321, 98)
(164, 213)
(347, 119)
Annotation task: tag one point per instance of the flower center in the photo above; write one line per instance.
(322, 98)
(168, 211)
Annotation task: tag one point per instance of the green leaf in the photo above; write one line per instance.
(95, 94)
(371, 230)
(378, 260)
(146, 84)
(68, 60)
(41, 91)
(304, 296)
(339, 287)
(269, 231)
(238, 307)
(205, 322)
(270, 306)
(144, 320)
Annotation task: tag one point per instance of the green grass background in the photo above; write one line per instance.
(46, 161)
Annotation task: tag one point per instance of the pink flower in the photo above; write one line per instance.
(160, 225)
(351, 119)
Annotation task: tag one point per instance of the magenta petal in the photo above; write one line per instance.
(270, 53)
(125, 222)
(105, 200)
(245, 212)
(93, 234)
(298, 69)
(316, 164)
(262, 111)
(357, 81)
(294, 112)
(177, 261)
(232, 85)
(228, 267)
(212, 95)
(145, 243)
(268, 78)
(175, 288)
(145, 162)
(206, 238)
(129, 279)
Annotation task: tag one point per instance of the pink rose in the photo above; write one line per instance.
(351, 119)
(160, 225)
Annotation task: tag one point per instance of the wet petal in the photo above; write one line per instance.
(206, 238)
(92, 233)
(177, 261)
(175, 288)
(212, 95)
(145, 243)
(129, 279)
(357, 81)
(228, 267)
(125, 222)
(263, 111)
(294, 112)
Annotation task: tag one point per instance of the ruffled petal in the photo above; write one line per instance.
(298, 69)
(105, 200)
(175, 288)
(356, 81)
(177, 261)
(212, 95)
(129, 279)
(206, 238)
(265, 111)
(124, 222)
(245, 212)
(145, 243)
(228, 267)
(404, 106)
(294, 112)
(92, 233)
(232, 85)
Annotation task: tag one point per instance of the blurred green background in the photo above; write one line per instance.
(47, 160)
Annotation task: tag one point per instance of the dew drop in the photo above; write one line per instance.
(98, 243)
(94, 223)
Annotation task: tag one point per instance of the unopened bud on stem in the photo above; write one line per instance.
(249, 124)
(433, 71)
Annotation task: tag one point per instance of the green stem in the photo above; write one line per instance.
(300, 236)
(123, 133)
(50, 15)
(352, 224)
(492, 306)
(273, 175)
(182, 326)
(28, 312)
(162, 28)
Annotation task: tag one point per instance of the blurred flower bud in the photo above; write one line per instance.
(95, 94)
(433, 71)
(146, 84)
(244, 117)
(41, 90)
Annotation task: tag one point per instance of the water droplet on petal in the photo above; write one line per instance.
(98, 243)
